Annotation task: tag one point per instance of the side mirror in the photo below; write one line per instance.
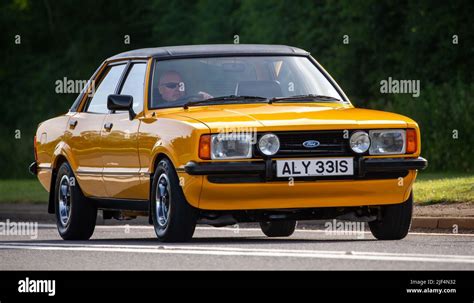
(121, 102)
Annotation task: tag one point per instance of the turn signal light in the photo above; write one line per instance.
(411, 141)
(205, 147)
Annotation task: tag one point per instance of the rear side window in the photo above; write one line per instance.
(98, 103)
(134, 85)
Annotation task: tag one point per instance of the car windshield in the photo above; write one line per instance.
(221, 80)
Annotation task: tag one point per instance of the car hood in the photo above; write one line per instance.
(299, 116)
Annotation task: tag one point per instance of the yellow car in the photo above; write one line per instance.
(222, 134)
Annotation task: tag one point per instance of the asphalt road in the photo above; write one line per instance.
(135, 247)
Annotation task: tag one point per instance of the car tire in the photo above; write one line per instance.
(278, 228)
(75, 214)
(395, 221)
(173, 218)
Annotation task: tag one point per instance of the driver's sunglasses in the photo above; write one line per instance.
(171, 85)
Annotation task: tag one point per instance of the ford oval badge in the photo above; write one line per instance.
(311, 144)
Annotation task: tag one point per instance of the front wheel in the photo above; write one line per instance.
(278, 228)
(173, 218)
(395, 221)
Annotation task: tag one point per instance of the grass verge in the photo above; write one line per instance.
(433, 188)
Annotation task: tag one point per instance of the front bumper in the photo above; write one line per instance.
(268, 167)
(254, 185)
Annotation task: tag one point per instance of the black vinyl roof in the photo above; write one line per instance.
(210, 50)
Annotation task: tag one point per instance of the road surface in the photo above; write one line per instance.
(135, 247)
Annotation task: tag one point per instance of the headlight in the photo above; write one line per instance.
(360, 142)
(231, 146)
(387, 141)
(269, 144)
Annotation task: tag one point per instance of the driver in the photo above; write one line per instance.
(172, 88)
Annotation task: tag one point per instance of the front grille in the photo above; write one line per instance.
(331, 143)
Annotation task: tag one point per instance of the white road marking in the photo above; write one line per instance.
(233, 229)
(237, 251)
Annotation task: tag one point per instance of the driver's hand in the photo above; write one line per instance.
(205, 95)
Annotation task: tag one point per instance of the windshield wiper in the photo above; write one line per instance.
(233, 98)
(304, 98)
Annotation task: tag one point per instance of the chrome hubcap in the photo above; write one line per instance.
(64, 200)
(163, 198)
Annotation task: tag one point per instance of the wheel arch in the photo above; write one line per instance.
(156, 159)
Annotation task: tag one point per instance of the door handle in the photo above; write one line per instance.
(72, 124)
(108, 126)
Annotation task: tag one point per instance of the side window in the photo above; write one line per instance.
(134, 85)
(98, 103)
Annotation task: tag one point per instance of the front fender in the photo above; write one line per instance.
(176, 138)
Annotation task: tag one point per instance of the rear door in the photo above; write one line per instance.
(84, 133)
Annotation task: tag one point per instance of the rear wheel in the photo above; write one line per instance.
(173, 218)
(395, 221)
(278, 228)
(75, 214)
